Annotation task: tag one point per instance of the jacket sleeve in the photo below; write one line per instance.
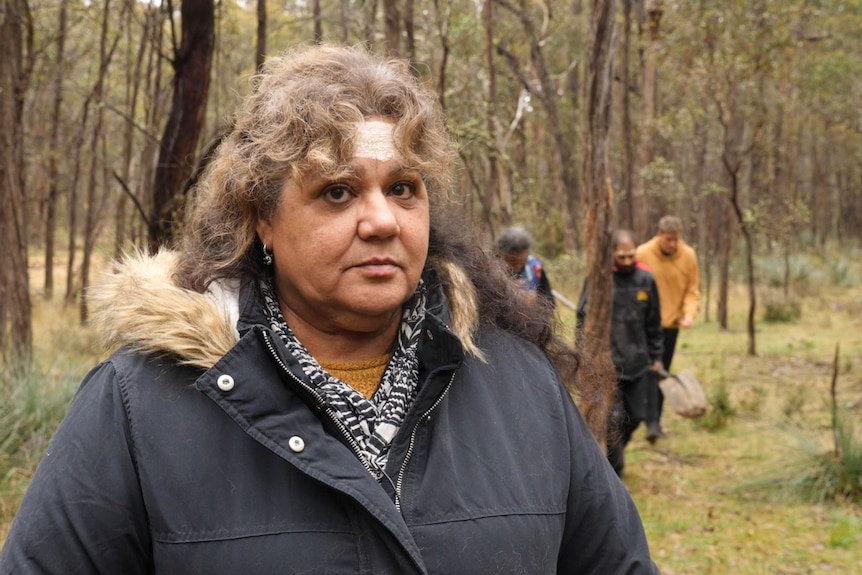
(582, 307)
(603, 533)
(545, 287)
(691, 297)
(654, 333)
(83, 511)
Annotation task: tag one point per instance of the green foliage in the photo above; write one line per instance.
(661, 180)
(816, 474)
(830, 475)
(840, 273)
(30, 409)
(782, 311)
(721, 409)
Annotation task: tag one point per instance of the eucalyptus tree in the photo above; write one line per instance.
(191, 60)
(599, 205)
(16, 63)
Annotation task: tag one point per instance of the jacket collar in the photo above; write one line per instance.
(139, 305)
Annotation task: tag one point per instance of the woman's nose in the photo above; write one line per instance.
(377, 218)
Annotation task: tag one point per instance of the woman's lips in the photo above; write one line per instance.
(378, 267)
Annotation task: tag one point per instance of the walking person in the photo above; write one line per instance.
(329, 376)
(636, 343)
(514, 245)
(673, 263)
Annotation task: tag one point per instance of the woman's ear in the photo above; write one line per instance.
(264, 232)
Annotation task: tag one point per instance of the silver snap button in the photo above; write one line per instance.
(225, 382)
(296, 444)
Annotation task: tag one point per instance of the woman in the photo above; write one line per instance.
(325, 379)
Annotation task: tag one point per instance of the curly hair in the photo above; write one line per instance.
(300, 118)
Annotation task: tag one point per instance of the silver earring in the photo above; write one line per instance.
(267, 257)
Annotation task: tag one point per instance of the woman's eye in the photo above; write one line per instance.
(403, 190)
(336, 194)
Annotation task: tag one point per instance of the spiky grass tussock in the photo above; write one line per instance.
(814, 471)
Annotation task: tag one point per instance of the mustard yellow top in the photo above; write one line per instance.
(676, 277)
(363, 376)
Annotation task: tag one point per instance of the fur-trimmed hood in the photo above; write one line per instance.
(138, 304)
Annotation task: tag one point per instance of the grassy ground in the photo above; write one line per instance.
(723, 501)
(713, 501)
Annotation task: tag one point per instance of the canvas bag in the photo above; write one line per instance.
(684, 393)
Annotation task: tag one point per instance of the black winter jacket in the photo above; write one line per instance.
(636, 333)
(170, 469)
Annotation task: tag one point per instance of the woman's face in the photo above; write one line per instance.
(348, 252)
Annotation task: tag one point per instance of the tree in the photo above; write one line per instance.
(192, 61)
(95, 199)
(567, 183)
(16, 63)
(628, 166)
(54, 151)
(260, 54)
(644, 222)
(598, 189)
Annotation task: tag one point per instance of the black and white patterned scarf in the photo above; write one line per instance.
(371, 423)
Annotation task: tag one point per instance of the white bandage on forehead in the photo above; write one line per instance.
(374, 140)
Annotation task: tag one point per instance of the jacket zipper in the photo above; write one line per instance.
(412, 444)
(330, 413)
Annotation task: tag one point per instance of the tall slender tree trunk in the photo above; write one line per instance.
(16, 47)
(705, 241)
(345, 21)
(391, 27)
(628, 147)
(599, 208)
(370, 14)
(749, 258)
(410, 29)
(72, 203)
(725, 244)
(93, 211)
(54, 147)
(318, 23)
(442, 14)
(153, 113)
(492, 183)
(133, 87)
(192, 63)
(644, 222)
(260, 52)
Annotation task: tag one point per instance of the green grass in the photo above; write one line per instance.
(758, 494)
(32, 405)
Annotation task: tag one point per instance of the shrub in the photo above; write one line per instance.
(836, 474)
(814, 474)
(782, 312)
(720, 410)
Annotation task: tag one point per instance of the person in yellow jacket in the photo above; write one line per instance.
(673, 263)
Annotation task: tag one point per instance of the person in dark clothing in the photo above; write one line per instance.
(636, 343)
(330, 375)
(514, 246)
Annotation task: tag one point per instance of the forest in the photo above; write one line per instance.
(572, 118)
